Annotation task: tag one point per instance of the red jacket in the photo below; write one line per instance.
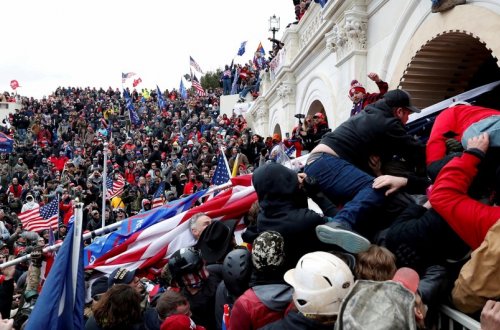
(16, 190)
(455, 119)
(250, 313)
(469, 218)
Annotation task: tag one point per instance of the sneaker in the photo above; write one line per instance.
(340, 235)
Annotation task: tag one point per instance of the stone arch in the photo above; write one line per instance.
(449, 64)
(277, 130)
(318, 97)
(428, 44)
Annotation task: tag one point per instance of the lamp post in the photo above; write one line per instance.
(274, 24)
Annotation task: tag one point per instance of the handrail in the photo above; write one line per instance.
(453, 316)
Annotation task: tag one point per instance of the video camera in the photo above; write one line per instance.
(300, 116)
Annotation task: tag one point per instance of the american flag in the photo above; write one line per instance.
(158, 196)
(151, 246)
(127, 75)
(41, 218)
(221, 174)
(114, 187)
(196, 85)
(195, 65)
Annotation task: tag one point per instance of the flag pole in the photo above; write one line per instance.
(101, 231)
(104, 185)
(222, 149)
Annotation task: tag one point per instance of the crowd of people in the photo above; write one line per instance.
(404, 226)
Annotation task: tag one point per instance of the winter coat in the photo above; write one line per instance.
(259, 306)
(284, 209)
(296, 321)
(479, 279)
(452, 123)
(420, 237)
(374, 131)
(470, 219)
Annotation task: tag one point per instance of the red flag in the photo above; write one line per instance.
(14, 84)
(137, 82)
(152, 246)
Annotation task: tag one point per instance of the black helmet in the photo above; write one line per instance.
(236, 271)
(185, 261)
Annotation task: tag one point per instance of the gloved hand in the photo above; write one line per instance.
(37, 256)
(453, 145)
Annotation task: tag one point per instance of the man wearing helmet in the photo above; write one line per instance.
(320, 283)
(196, 283)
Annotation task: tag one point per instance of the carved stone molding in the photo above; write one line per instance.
(262, 113)
(285, 90)
(310, 30)
(348, 36)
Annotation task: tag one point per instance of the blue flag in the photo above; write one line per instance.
(6, 143)
(61, 302)
(183, 91)
(161, 101)
(241, 51)
(129, 104)
(101, 245)
(234, 86)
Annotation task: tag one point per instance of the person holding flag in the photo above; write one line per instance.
(226, 80)
(161, 101)
(61, 302)
(236, 160)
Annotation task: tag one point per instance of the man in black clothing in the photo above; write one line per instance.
(340, 164)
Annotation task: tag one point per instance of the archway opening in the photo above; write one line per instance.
(451, 63)
(277, 130)
(317, 107)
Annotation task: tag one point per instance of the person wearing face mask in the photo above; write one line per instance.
(30, 203)
(196, 283)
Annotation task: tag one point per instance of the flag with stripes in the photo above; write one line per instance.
(114, 187)
(127, 75)
(196, 85)
(130, 226)
(158, 198)
(41, 218)
(195, 65)
(222, 173)
(152, 246)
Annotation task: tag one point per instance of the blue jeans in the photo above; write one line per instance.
(342, 181)
(226, 85)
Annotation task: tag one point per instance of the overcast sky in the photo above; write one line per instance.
(46, 44)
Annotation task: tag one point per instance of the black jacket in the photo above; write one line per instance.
(420, 238)
(296, 321)
(6, 294)
(374, 131)
(284, 209)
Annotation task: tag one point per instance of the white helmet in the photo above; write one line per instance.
(320, 281)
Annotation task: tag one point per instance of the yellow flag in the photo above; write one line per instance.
(236, 166)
